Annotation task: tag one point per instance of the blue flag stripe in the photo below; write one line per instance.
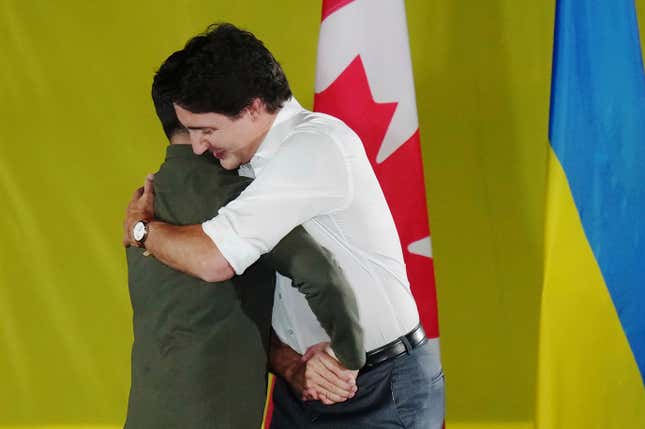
(597, 130)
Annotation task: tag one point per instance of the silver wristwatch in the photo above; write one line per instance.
(140, 232)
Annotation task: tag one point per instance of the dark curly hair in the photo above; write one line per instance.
(224, 69)
(164, 86)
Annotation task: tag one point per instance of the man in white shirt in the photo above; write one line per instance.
(310, 169)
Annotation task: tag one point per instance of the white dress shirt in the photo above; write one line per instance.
(312, 170)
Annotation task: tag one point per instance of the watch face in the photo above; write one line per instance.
(139, 231)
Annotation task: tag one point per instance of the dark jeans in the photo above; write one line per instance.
(406, 392)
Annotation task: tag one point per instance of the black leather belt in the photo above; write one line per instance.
(396, 348)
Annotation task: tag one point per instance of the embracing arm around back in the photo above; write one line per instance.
(318, 277)
(184, 248)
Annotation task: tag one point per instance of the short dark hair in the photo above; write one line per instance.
(225, 69)
(164, 85)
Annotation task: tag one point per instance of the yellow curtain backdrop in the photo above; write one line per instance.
(78, 135)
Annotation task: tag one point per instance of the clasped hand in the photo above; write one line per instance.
(321, 377)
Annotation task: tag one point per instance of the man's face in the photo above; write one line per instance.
(231, 140)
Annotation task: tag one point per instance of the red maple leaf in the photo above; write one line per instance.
(401, 175)
(331, 6)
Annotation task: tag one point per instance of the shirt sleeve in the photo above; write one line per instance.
(320, 279)
(308, 176)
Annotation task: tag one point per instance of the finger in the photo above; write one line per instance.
(325, 400)
(315, 380)
(342, 372)
(148, 184)
(312, 350)
(137, 194)
(337, 369)
(309, 395)
(332, 383)
(325, 393)
(328, 401)
(308, 355)
(327, 382)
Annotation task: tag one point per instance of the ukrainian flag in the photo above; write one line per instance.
(592, 327)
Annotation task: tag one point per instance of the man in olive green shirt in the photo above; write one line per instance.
(199, 356)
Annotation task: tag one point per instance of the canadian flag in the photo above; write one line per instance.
(364, 77)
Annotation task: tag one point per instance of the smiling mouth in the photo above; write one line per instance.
(218, 154)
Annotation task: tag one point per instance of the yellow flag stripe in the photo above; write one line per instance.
(587, 375)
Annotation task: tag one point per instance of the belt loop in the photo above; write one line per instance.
(406, 343)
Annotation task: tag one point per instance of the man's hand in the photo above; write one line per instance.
(325, 379)
(185, 248)
(315, 376)
(141, 207)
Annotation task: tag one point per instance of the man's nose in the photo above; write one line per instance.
(198, 143)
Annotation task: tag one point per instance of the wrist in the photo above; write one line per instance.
(139, 231)
(284, 361)
(291, 369)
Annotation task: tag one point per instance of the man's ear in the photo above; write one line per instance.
(256, 108)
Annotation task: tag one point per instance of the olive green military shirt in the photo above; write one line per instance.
(200, 349)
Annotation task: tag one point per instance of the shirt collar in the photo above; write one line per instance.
(180, 151)
(185, 151)
(281, 126)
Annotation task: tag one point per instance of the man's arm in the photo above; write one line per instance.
(308, 177)
(187, 249)
(314, 272)
(184, 248)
